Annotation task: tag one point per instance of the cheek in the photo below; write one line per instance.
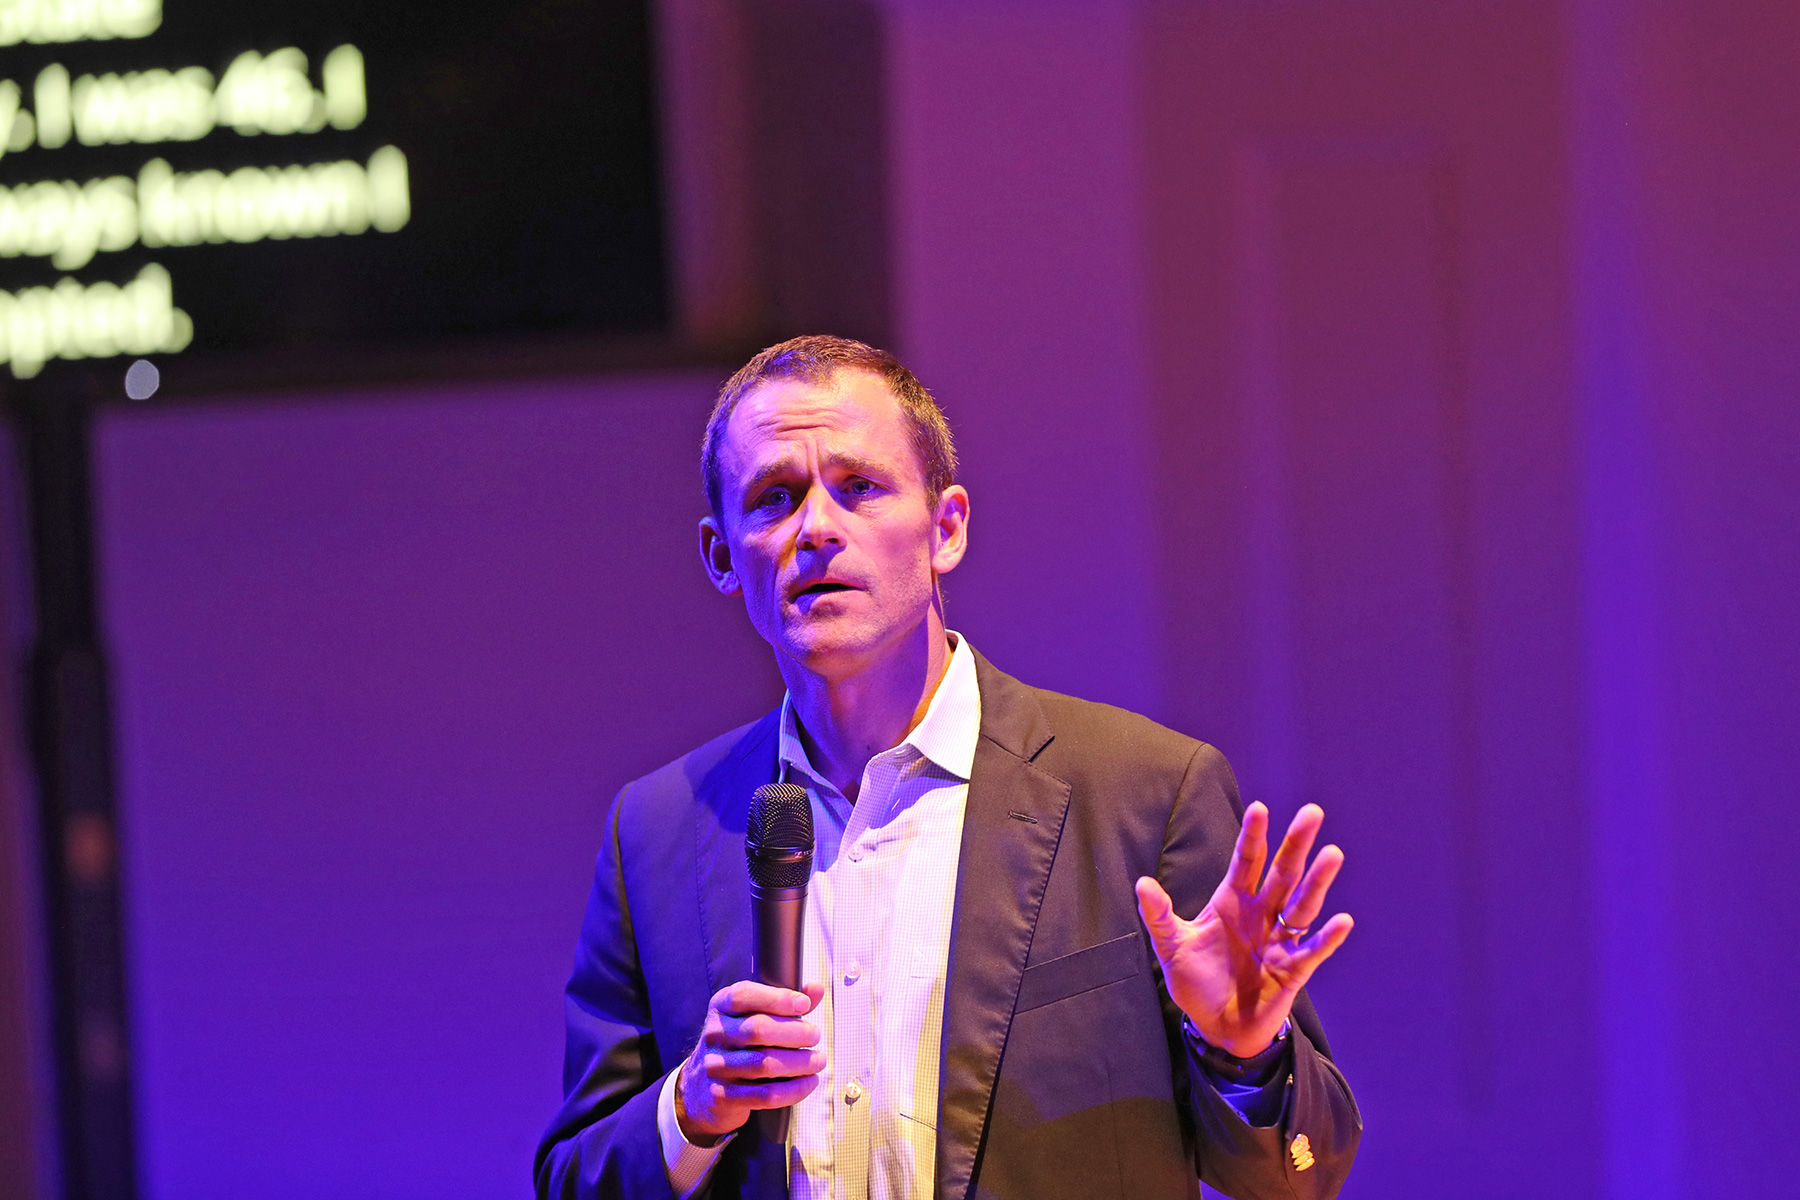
(754, 574)
(761, 584)
(906, 558)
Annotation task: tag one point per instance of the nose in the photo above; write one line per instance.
(819, 521)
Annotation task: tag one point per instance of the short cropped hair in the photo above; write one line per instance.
(816, 359)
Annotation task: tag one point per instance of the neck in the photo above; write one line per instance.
(845, 720)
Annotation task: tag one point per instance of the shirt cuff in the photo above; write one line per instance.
(1254, 1086)
(688, 1165)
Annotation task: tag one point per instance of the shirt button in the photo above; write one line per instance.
(853, 1093)
(856, 854)
(853, 972)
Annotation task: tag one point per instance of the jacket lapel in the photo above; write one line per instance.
(723, 796)
(1011, 825)
(753, 1167)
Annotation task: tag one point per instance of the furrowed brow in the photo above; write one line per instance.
(768, 471)
(855, 464)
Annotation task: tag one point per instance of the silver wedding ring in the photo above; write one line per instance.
(1296, 934)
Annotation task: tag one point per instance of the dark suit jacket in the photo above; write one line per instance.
(1063, 1072)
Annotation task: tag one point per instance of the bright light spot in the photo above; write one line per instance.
(143, 106)
(142, 379)
(390, 196)
(178, 208)
(269, 94)
(260, 93)
(67, 221)
(10, 113)
(98, 321)
(346, 99)
(76, 20)
(70, 222)
(53, 117)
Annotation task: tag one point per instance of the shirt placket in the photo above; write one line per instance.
(862, 892)
(813, 1128)
(910, 936)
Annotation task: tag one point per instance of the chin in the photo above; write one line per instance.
(815, 642)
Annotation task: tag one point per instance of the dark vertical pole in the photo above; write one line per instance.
(72, 746)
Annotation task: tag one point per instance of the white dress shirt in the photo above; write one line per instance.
(878, 937)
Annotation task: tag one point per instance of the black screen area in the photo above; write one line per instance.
(192, 176)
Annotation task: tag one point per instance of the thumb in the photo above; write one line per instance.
(1158, 913)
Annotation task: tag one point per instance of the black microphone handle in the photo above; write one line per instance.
(779, 920)
(778, 924)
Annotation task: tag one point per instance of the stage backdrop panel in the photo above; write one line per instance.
(381, 661)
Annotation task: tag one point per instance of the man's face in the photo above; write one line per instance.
(828, 531)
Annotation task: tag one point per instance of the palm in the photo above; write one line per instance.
(1233, 969)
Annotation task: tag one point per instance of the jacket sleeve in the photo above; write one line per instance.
(603, 1141)
(1244, 1161)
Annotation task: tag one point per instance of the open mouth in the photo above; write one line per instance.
(823, 589)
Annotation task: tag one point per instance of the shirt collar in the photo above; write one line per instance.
(948, 734)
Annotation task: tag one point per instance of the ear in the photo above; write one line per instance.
(950, 532)
(715, 554)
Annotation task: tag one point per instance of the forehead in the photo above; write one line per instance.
(850, 412)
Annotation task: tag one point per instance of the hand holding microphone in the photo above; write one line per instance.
(758, 1050)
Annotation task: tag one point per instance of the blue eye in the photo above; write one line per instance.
(860, 487)
(774, 498)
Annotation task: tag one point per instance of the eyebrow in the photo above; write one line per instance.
(855, 464)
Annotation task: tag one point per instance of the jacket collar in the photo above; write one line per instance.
(1011, 716)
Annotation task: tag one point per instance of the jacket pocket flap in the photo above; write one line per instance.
(1082, 971)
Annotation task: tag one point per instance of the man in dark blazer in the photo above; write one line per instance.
(1094, 1043)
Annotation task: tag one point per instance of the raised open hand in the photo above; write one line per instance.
(1236, 967)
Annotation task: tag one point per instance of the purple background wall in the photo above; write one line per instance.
(1711, 448)
(1398, 394)
(381, 662)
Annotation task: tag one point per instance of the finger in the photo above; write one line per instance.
(763, 1064)
(1252, 848)
(1308, 900)
(1319, 947)
(746, 996)
(765, 1031)
(1157, 912)
(1290, 859)
(774, 1093)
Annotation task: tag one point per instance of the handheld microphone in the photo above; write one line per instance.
(778, 847)
(778, 844)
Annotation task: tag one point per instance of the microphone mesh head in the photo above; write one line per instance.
(778, 836)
